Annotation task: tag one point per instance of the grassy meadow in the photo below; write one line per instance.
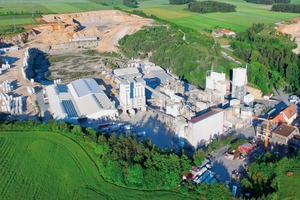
(246, 15)
(28, 9)
(47, 165)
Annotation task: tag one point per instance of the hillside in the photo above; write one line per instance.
(273, 178)
(47, 165)
(184, 51)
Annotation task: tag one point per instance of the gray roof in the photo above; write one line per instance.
(82, 97)
(86, 86)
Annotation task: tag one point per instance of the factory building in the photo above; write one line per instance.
(80, 98)
(127, 73)
(216, 81)
(239, 83)
(132, 94)
(204, 127)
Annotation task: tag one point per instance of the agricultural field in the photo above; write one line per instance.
(22, 12)
(246, 15)
(47, 165)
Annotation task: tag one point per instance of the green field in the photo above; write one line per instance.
(246, 15)
(288, 187)
(31, 7)
(47, 165)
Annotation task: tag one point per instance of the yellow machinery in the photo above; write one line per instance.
(267, 129)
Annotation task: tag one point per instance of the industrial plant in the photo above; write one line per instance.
(82, 98)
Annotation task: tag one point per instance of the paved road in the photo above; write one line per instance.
(281, 95)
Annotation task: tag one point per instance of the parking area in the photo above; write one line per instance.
(230, 171)
(154, 129)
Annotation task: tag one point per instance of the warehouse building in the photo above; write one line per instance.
(81, 98)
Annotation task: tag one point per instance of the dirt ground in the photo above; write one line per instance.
(108, 26)
(291, 27)
(53, 36)
(69, 67)
(14, 75)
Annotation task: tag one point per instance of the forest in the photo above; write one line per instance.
(268, 2)
(291, 8)
(271, 60)
(125, 161)
(273, 178)
(130, 3)
(210, 7)
(179, 2)
(186, 52)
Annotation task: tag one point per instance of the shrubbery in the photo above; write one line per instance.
(179, 2)
(268, 2)
(186, 52)
(291, 8)
(210, 6)
(271, 58)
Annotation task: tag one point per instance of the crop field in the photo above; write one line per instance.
(47, 165)
(246, 15)
(26, 10)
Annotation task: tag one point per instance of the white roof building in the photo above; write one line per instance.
(81, 98)
(130, 72)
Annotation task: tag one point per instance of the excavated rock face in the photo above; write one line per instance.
(292, 28)
(19, 39)
(59, 30)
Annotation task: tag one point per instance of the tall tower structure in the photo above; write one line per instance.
(239, 83)
(132, 94)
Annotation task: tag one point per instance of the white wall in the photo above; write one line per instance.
(139, 98)
(101, 113)
(205, 129)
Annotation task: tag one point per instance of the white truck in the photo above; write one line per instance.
(294, 99)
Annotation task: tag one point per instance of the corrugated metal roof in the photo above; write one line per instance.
(83, 97)
(85, 86)
(127, 71)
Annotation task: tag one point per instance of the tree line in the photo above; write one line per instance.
(272, 61)
(268, 2)
(128, 162)
(130, 3)
(12, 13)
(291, 8)
(269, 177)
(210, 6)
(179, 2)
